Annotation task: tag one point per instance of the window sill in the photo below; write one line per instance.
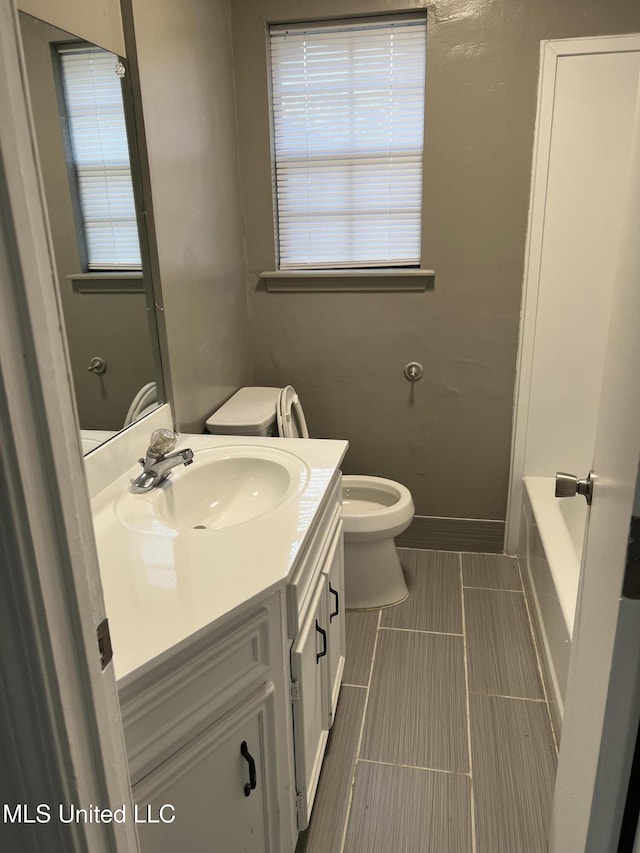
(107, 282)
(349, 281)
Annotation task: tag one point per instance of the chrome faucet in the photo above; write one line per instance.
(159, 461)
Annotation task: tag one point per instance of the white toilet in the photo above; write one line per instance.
(374, 510)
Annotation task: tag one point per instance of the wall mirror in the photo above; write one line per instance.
(97, 226)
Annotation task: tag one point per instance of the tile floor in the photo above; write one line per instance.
(442, 741)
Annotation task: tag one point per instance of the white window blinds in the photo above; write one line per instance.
(95, 115)
(348, 123)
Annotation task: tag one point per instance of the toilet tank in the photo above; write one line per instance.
(251, 411)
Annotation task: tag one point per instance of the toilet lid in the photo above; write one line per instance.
(291, 422)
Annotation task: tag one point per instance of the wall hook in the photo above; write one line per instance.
(97, 365)
(413, 371)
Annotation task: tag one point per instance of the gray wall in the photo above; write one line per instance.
(183, 55)
(111, 325)
(449, 440)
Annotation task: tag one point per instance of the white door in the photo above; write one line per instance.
(218, 792)
(584, 129)
(601, 712)
(310, 703)
(333, 569)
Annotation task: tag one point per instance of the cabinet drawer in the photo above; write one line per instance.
(162, 710)
(305, 577)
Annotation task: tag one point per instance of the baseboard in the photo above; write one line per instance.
(454, 534)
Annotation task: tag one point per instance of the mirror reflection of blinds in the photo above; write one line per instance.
(95, 115)
(348, 129)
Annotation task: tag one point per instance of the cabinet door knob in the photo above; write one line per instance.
(323, 634)
(251, 784)
(337, 610)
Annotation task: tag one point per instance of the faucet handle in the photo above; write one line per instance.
(162, 441)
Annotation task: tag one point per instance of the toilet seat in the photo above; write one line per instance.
(290, 417)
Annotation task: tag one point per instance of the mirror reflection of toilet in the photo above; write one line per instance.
(374, 510)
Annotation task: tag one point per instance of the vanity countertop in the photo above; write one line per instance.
(162, 586)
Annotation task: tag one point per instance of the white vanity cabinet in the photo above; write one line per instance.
(206, 737)
(226, 731)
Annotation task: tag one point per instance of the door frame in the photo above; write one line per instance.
(551, 51)
(61, 733)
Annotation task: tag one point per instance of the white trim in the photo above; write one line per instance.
(533, 250)
(596, 44)
(60, 718)
(550, 53)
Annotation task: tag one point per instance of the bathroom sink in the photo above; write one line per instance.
(223, 487)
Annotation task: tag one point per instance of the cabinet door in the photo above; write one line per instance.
(310, 702)
(333, 568)
(206, 787)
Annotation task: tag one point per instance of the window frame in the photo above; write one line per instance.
(132, 271)
(400, 275)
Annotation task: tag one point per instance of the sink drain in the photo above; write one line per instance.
(200, 527)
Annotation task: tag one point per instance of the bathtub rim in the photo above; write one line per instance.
(559, 549)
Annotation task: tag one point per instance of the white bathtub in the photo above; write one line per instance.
(551, 541)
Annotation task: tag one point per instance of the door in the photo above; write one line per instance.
(601, 712)
(333, 569)
(584, 130)
(217, 792)
(310, 700)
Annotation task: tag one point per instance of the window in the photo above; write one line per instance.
(100, 153)
(348, 128)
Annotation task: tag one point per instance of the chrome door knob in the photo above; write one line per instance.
(568, 485)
